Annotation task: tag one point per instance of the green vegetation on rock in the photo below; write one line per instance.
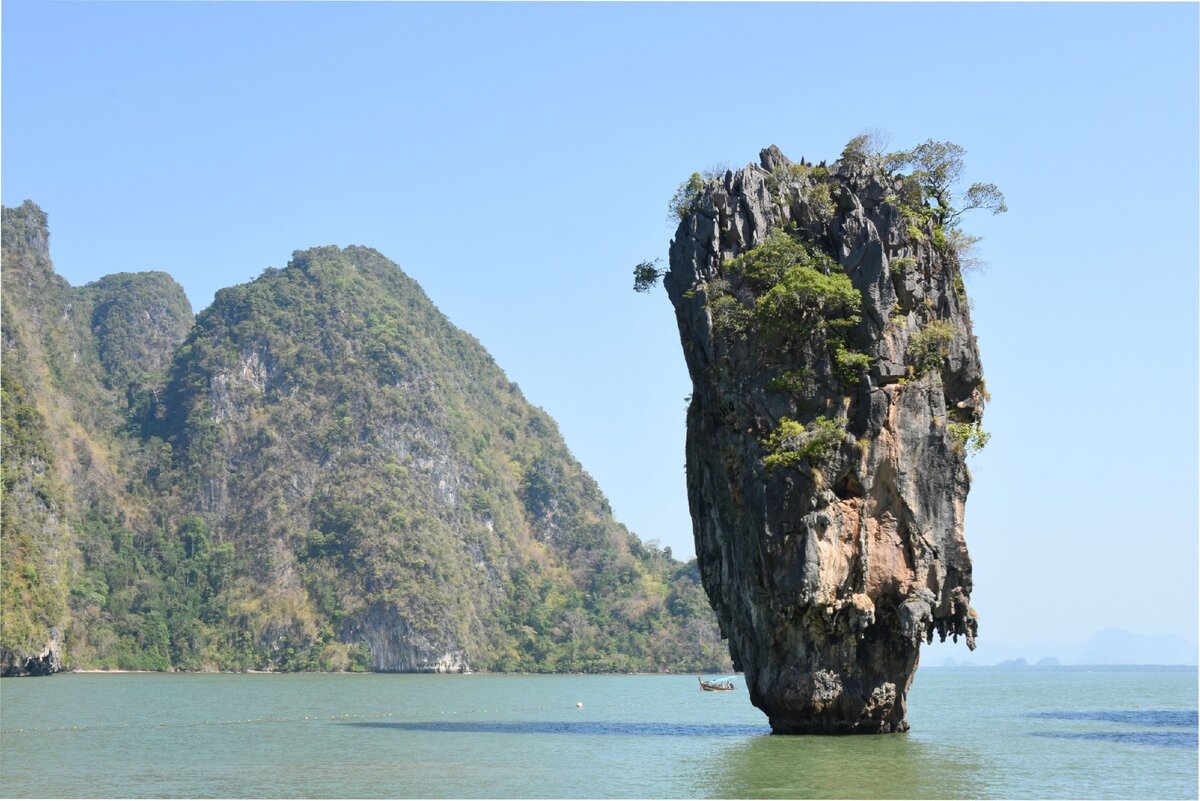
(685, 195)
(929, 348)
(646, 275)
(33, 588)
(788, 290)
(792, 442)
(970, 437)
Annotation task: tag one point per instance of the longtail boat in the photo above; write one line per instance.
(715, 686)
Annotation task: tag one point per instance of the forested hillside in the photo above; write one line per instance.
(319, 472)
(77, 366)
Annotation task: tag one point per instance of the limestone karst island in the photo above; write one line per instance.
(320, 472)
(837, 391)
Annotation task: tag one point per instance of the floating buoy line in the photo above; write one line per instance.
(266, 720)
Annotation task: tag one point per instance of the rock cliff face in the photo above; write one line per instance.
(388, 496)
(836, 386)
(79, 365)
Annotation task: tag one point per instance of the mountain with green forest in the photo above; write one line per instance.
(317, 472)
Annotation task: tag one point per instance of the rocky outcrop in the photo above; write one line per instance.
(836, 386)
(44, 663)
(138, 320)
(397, 648)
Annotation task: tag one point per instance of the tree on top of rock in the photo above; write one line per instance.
(937, 167)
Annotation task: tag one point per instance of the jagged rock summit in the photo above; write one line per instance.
(837, 388)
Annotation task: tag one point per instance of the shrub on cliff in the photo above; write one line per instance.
(764, 266)
(929, 347)
(646, 275)
(810, 298)
(792, 442)
(685, 195)
(688, 192)
(969, 437)
(796, 286)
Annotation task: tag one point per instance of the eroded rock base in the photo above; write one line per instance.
(46, 663)
(837, 727)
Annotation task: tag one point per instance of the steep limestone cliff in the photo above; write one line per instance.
(66, 459)
(389, 496)
(319, 472)
(837, 386)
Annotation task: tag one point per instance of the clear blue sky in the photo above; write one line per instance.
(517, 161)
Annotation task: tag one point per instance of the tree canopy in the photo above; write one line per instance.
(937, 167)
(646, 275)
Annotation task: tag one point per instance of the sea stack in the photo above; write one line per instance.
(837, 390)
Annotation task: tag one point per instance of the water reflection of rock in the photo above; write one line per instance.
(843, 767)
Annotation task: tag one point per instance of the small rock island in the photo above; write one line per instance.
(837, 393)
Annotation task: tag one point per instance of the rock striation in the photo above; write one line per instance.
(837, 385)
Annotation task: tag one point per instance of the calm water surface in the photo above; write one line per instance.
(976, 734)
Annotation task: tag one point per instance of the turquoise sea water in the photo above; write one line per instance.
(982, 733)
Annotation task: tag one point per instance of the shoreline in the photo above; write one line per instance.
(122, 671)
(194, 672)
(966, 668)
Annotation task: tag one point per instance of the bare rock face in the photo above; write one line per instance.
(397, 648)
(836, 386)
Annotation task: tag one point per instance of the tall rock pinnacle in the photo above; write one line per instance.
(837, 388)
